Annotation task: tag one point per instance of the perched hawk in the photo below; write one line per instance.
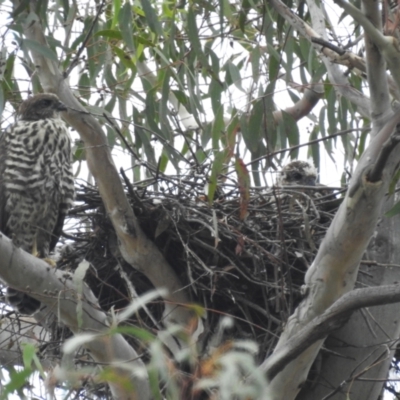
(36, 182)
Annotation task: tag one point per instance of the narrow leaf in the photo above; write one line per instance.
(151, 17)
(235, 75)
(125, 23)
(84, 86)
(138, 303)
(255, 63)
(78, 277)
(110, 34)
(394, 210)
(218, 127)
(216, 169)
(17, 380)
(78, 340)
(39, 48)
(194, 38)
(28, 352)
(252, 135)
(244, 187)
(2, 100)
(116, 10)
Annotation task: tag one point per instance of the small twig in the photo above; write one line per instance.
(307, 230)
(134, 295)
(298, 146)
(328, 45)
(121, 136)
(75, 61)
(373, 262)
(190, 149)
(131, 191)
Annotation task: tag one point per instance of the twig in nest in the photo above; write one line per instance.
(307, 230)
(134, 295)
(131, 191)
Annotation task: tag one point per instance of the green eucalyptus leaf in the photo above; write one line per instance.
(125, 24)
(395, 210)
(116, 11)
(110, 34)
(84, 86)
(151, 17)
(40, 49)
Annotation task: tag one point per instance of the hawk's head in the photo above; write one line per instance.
(301, 173)
(41, 106)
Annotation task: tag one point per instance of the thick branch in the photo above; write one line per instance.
(376, 71)
(333, 318)
(339, 81)
(388, 45)
(56, 290)
(312, 95)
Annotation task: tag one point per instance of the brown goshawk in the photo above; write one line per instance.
(298, 181)
(298, 173)
(36, 182)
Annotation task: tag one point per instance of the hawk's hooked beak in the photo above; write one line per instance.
(310, 181)
(61, 107)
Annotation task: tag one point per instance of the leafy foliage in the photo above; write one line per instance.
(172, 74)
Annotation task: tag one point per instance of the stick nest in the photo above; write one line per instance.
(251, 269)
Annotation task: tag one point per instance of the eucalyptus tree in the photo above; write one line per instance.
(177, 83)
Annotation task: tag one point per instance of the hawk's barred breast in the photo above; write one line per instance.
(38, 152)
(36, 182)
(38, 178)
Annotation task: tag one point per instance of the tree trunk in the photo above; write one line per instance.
(364, 347)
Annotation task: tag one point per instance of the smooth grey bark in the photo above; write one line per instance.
(57, 291)
(333, 318)
(364, 347)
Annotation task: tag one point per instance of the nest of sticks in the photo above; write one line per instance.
(251, 268)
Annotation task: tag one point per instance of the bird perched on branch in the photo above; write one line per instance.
(36, 182)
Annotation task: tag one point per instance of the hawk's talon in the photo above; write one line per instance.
(50, 261)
